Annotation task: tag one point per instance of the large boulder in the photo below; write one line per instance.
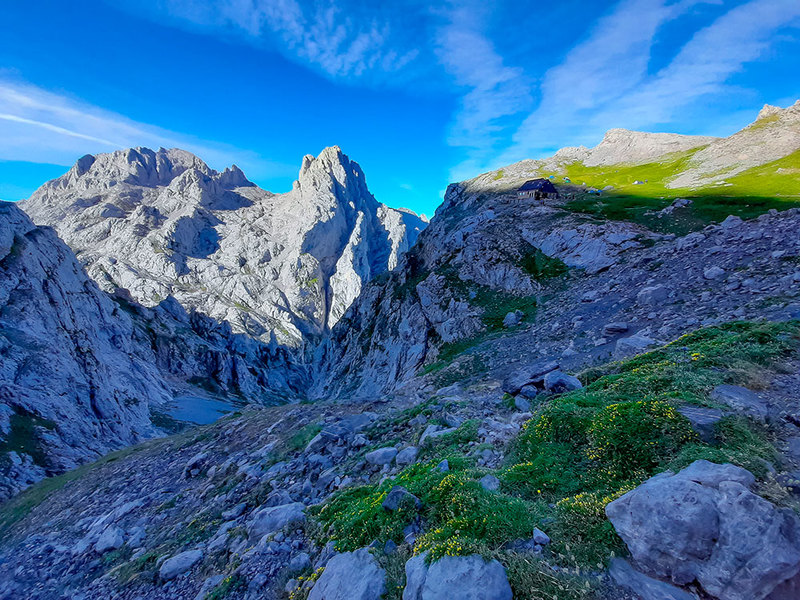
(179, 564)
(110, 539)
(350, 576)
(407, 456)
(381, 456)
(645, 588)
(558, 382)
(704, 524)
(653, 295)
(530, 374)
(462, 577)
(398, 497)
(274, 518)
(633, 344)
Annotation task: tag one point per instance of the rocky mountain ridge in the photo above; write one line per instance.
(696, 162)
(295, 500)
(505, 411)
(773, 135)
(622, 146)
(278, 267)
(85, 372)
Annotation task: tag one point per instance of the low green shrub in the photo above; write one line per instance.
(631, 440)
(227, 586)
(466, 518)
(580, 451)
(461, 516)
(444, 445)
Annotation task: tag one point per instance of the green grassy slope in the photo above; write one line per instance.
(747, 194)
(579, 451)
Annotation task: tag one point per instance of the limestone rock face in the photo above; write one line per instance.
(83, 372)
(624, 146)
(773, 135)
(704, 524)
(70, 374)
(479, 249)
(275, 266)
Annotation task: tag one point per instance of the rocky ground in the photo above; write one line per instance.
(227, 510)
(472, 264)
(736, 270)
(537, 403)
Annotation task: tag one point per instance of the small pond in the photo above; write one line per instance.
(197, 410)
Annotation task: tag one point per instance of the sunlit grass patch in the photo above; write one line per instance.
(637, 191)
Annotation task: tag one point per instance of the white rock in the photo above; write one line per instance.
(164, 224)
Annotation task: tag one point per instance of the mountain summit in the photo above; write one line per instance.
(625, 146)
(276, 266)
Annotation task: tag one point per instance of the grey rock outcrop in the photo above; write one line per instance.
(645, 588)
(70, 372)
(274, 518)
(633, 344)
(704, 524)
(634, 147)
(111, 539)
(179, 564)
(741, 399)
(274, 266)
(350, 576)
(531, 374)
(398, 497)
(558, 382)
(407, 456)
(85, 372)
(381, 456)
(464, 577)
(774, 134)
(478, 247)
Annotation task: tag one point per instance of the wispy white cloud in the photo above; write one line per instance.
(606, 79)
(706, 63)
(604, 82)
(351, 41)
(610, 63)
(43, 127)
(493, 90)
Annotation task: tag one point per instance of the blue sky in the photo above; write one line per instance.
(419, 93)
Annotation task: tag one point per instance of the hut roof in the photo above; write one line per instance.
(542, 185)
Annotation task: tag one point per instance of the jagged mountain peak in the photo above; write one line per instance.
(276, 266)
(770, 111)
(774, 134)
(137, 166)
(331, 165)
